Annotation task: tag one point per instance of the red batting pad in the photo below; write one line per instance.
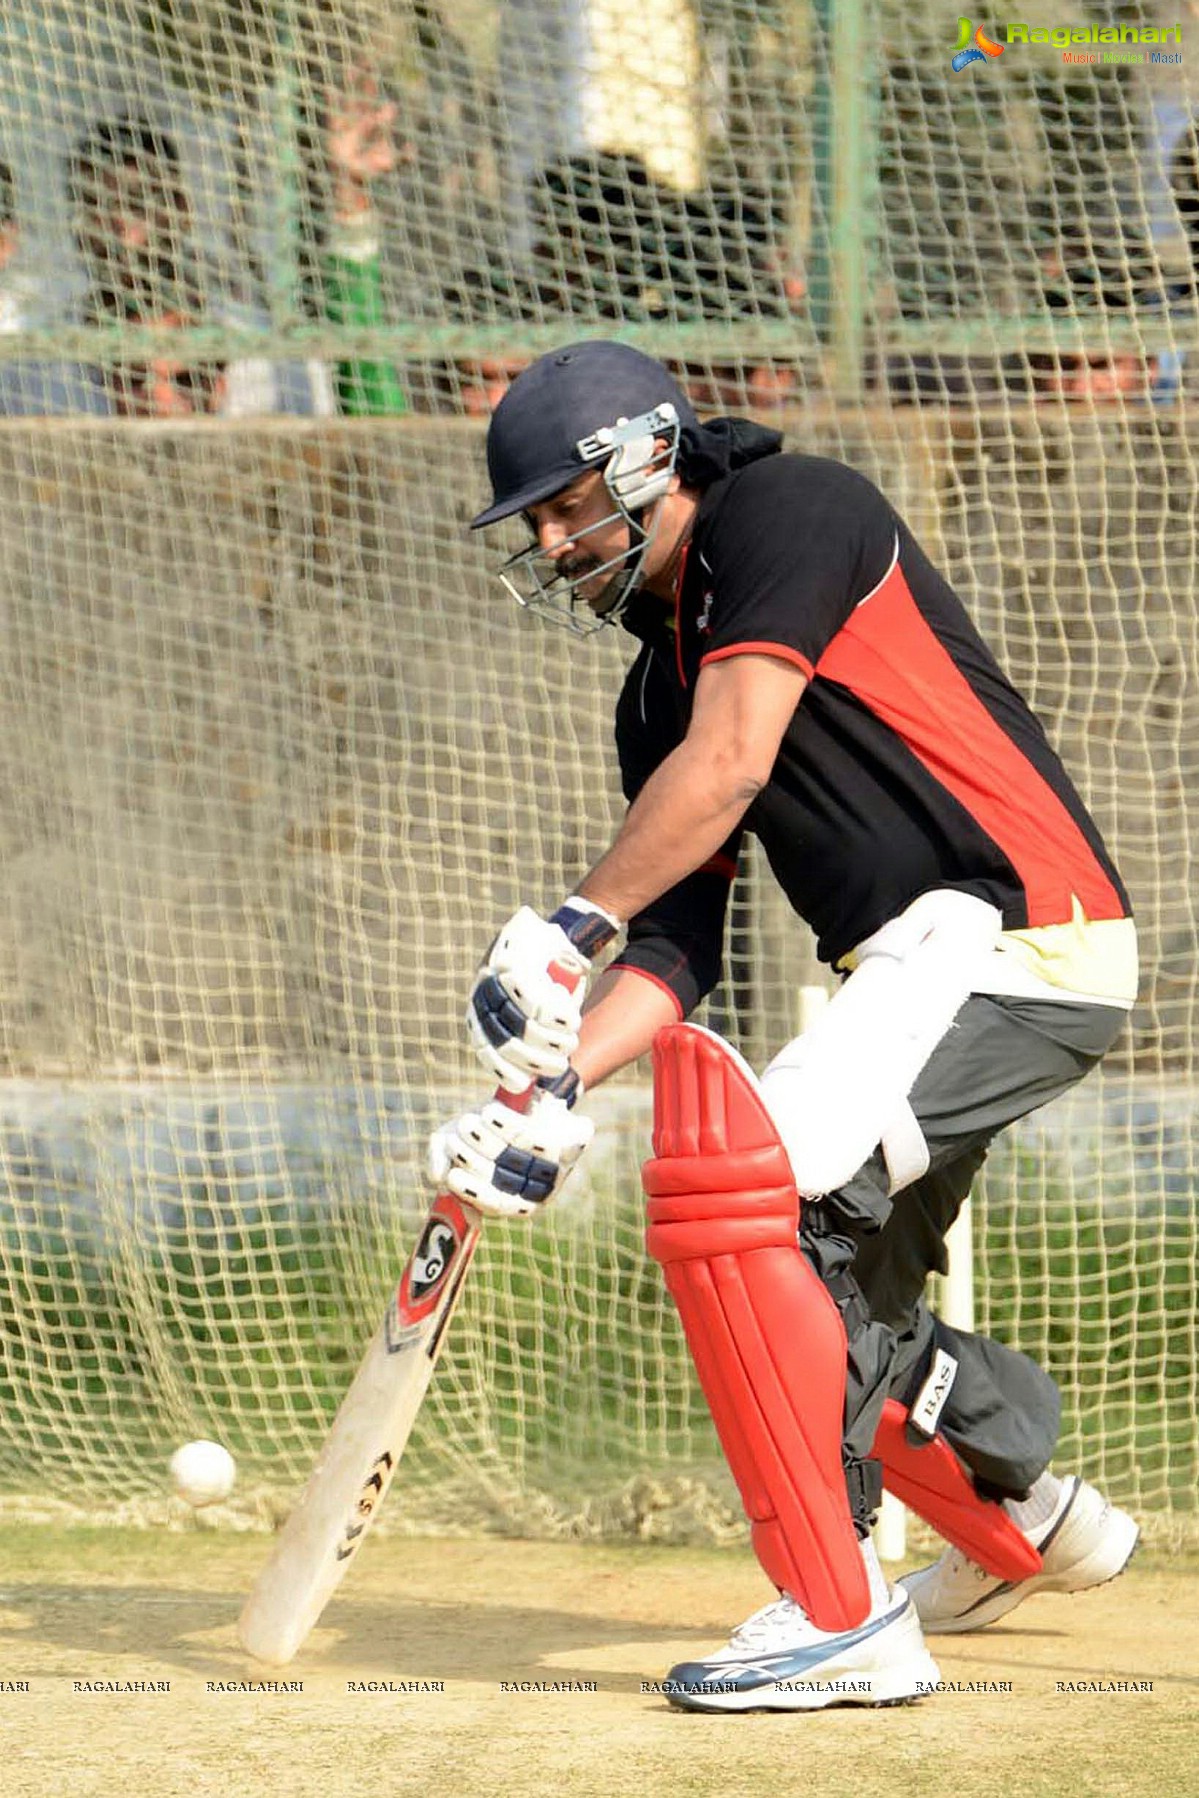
(767, 1340)
(932, 1481)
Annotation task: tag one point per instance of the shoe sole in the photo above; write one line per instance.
(884, 1686)
(1086, 1575)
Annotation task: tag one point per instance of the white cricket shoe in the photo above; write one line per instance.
(777, 1660)
(1085, 1543)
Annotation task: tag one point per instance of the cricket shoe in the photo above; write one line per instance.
(777, 1660)
(1085, 1543)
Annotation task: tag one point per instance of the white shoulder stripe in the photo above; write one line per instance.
(886, 577)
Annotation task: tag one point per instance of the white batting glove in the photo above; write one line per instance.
(509, 1163)
(527, 999)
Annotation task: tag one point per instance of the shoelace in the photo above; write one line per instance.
(758, 1628)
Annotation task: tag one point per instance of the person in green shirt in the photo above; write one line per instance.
(360, 147)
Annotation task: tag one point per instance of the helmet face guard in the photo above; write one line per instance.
(638, 457)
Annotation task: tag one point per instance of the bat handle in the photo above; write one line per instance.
(563, 1086)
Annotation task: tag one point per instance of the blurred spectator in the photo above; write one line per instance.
(603, 234)
(11, 307)
(484, 297)
(360, 147)
(1087, 273)
(610, 241)
(1184, 186)
(482, 384)
(134, 231)
(1170, 365)
(29, 388)
(944, 379)
(132, 221)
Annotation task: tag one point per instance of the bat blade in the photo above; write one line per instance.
(365, 1442)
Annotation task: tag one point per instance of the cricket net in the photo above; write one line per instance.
(278, 757)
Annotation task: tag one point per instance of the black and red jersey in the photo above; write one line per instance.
(911, 762)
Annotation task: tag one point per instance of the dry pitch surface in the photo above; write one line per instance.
(112, 1606)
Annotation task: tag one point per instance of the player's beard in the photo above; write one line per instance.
(601, 602)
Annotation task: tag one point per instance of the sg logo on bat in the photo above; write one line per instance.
(371, 1495)
(427, 1274)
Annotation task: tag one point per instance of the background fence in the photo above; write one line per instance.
(273, 746)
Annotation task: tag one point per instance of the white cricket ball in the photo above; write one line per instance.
(203, 1472)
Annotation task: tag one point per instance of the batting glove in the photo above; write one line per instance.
(527, 1000)
(510, 1163)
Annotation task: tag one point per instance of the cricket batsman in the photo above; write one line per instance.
(806, 675)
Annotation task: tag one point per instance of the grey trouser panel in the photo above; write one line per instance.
(1001, 1059)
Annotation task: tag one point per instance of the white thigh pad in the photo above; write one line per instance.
(836, 1091)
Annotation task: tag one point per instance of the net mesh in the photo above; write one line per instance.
(276, 757)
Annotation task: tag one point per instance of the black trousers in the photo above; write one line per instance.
(1001, 1059)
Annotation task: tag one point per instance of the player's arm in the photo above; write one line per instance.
(688, 801)
(687, 804)
(698, 796)
(670, 962)
(623, 1014)
(678, 849)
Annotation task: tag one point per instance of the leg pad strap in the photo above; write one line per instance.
(933, 1482)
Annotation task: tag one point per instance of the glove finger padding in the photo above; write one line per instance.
(527, 1000)
(508, 1163)
(539, 967)
(518, 1065)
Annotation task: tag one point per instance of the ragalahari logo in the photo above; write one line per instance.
(1077, 43)
(968, 52)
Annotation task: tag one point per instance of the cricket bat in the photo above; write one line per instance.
(365, 1442)
(372, 1426)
